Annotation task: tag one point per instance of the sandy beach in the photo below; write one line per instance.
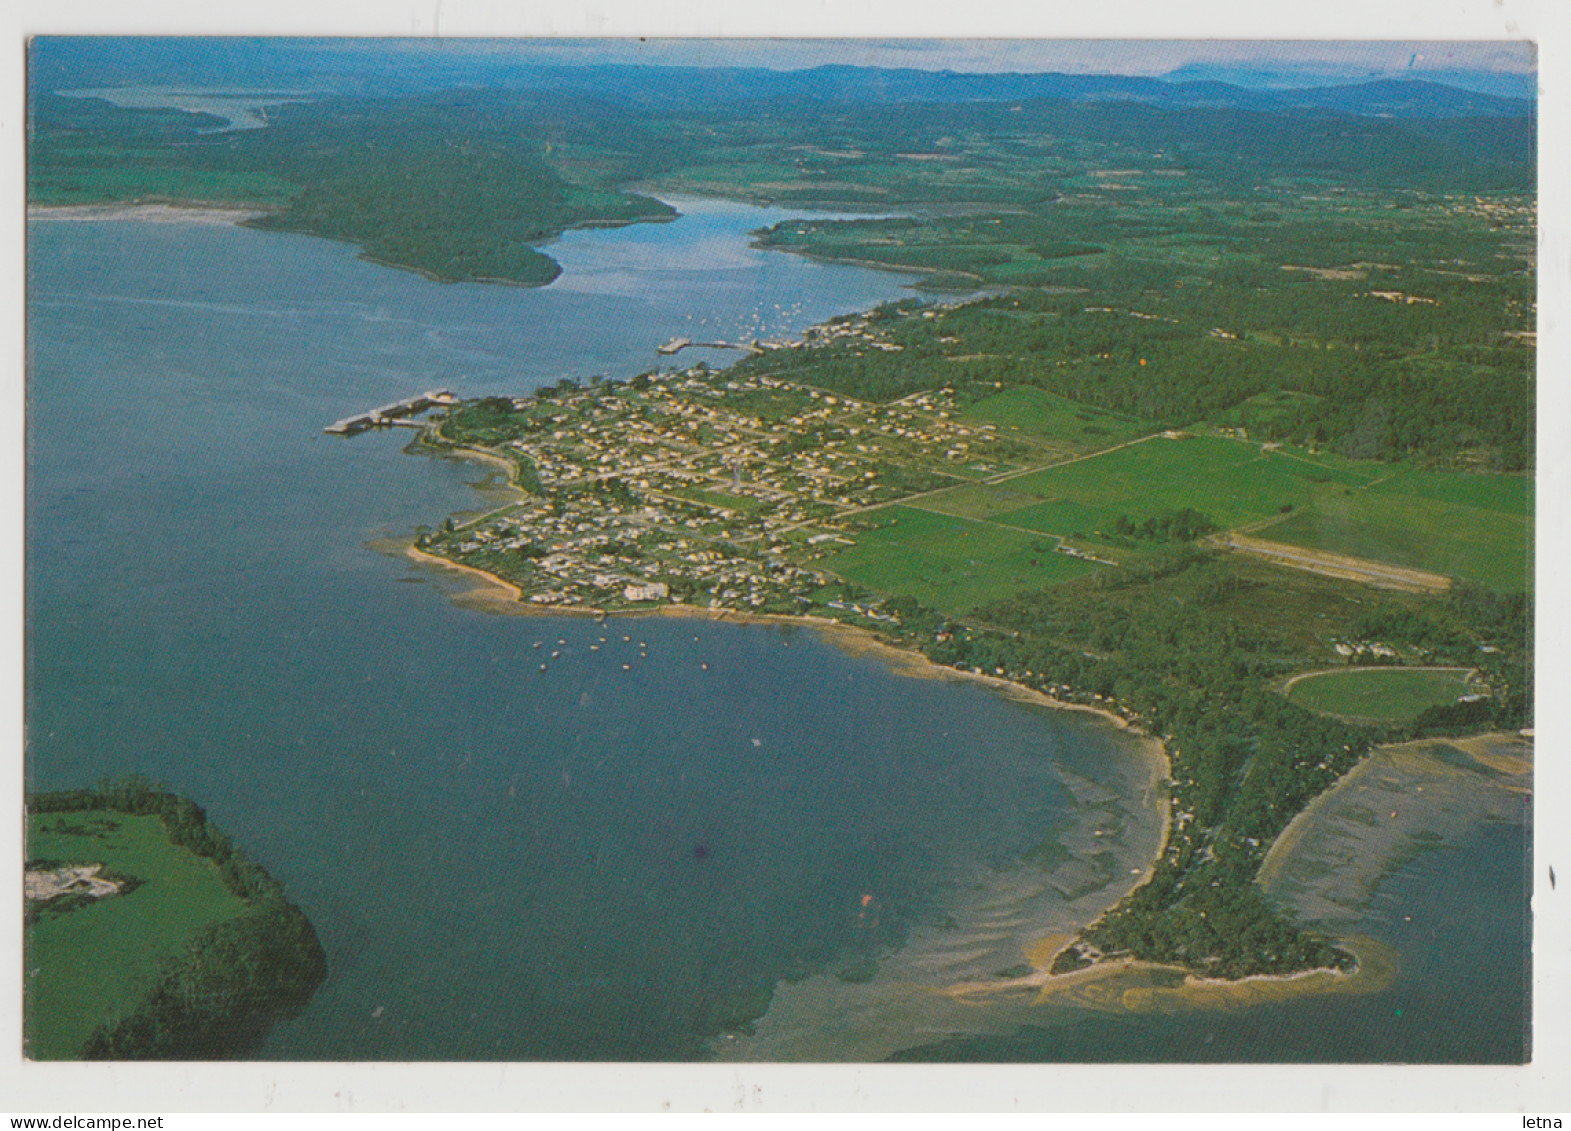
(935, 984)
(850, 638)
(492, 590)
(144, 213)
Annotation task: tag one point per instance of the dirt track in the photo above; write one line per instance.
(1378, 574)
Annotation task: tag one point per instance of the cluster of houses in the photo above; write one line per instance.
(680, 490)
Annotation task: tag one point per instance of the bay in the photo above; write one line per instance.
(502, 863)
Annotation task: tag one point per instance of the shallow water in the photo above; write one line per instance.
(589, 861)
(1456, 919)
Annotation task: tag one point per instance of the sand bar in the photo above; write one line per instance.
(143, 213)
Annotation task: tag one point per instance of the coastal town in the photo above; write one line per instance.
(700, 489)
(973, 559)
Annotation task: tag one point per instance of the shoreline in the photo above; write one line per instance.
(1157, 991)
(1403, 800)
(152, 212)
(1375, 964)
(496, 595)
(853, 639)
(1380, 761)
(493, 588)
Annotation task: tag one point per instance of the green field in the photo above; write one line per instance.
(1031, 414)
(947, 563)
(94, 963)
(742, 504)
(1228, 481)
(1381, 695)
(1475, 527)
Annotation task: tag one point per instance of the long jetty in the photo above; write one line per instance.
(391, 414)
(677, 345)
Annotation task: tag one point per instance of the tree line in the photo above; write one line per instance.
(237, 979)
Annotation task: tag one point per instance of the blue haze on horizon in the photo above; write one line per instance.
(1502, 68)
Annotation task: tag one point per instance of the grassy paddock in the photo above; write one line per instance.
(1229, 482)
(1476, 527)
(1035, 415)
(1380, 695)
(949, 563)
(94, 963)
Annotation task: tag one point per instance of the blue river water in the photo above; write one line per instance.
(591, 862)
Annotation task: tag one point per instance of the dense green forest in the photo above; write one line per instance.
(221, 997)
(410, 185)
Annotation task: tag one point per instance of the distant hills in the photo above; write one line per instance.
(354, 67)
(1402, 98)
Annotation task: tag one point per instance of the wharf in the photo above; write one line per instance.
(391, 414)
(677, 345)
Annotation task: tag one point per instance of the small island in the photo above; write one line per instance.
(150, 936)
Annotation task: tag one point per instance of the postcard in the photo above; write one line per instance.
(780, 551)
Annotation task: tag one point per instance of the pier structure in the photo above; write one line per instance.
(677, 345)
(391, 414)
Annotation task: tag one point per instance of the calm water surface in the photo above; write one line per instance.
(586, 862)
(501, 863)
(1458, 920)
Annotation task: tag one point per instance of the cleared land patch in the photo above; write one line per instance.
(1381, 695)
(1475, 527)
(1227, 481)
(950, 563)
(94, 963)
(1028, 413)
(1366, 571)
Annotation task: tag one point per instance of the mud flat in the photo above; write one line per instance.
(1327, 867)
(1400, 801)
(978, 965)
